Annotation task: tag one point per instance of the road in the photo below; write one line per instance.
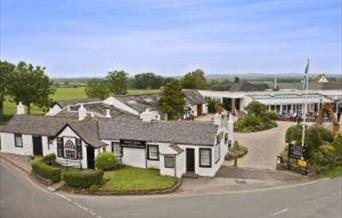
(19, 198)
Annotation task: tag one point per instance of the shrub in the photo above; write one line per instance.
(322, 161)
(49, 159)
(106, 161)
(46, 171)
(271, 115)
(237, 151)
(83, 179)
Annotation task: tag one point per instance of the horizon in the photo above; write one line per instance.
(170, 38)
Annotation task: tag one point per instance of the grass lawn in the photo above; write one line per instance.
(135, 179)
(63, 94)
(334, 172)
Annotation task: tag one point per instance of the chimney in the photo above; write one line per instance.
(108, 113)
(21, 108)
(275, 85)
(217, 119)
(146, 116)
(82, 113)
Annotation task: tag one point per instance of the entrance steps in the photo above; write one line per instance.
(190, 175)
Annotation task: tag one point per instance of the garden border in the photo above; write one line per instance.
(172, 189)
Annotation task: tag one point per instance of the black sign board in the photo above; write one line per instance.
(132, 143)
(296, 151)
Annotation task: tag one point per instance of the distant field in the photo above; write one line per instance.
(64, 94)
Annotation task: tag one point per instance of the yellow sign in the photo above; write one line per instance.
(302, 163)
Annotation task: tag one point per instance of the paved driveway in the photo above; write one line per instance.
(263, 147)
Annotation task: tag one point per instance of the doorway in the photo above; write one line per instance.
(90, 157)
(199, 109)
(190, 160)
(37, 145)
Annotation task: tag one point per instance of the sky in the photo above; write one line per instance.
(88, 38)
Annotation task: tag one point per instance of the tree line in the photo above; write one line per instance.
(29, 84)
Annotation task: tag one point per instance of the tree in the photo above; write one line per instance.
(195, 80)
(97, 88)
(29, 84)
(6, 69)
(117, 82)
(148, 81)
(172, 100)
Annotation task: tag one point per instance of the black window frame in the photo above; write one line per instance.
(50, 141)
(112, 148)
(174, 161)
(148, 152)
(60, 147)
(15, 140)
(210, 158)
(79, 152)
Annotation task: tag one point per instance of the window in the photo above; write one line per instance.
(70, 150)
(205, 157)
(217, 152)
(18, 140)
(225, 138)
(152, 152)
(116, 149)
(79, 148)
(60, 147)
(50, 141)
(169, 161)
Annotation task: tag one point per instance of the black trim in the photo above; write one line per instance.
(210, 157)
(174, 161)
(148, 152)
(15, 140)
(60, 147)
(112, 148)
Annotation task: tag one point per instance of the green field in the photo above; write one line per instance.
(63, 94)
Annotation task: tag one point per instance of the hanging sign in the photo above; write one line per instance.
(296, 151)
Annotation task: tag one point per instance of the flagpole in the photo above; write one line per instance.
(306, 85)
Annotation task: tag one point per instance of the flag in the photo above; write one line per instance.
(306, 77)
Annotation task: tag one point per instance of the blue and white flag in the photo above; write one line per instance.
(306, 77)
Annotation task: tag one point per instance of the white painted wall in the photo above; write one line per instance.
(7, 144)
(55, 109)
(135, 157)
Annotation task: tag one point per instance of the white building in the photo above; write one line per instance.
(175, 148)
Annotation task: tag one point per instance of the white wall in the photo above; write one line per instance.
(55, 109)
(205, 108)
(135, 157)
(7, 144)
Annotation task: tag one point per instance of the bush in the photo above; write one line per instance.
(49, 159)
(271, 115)
(46, 171)
(106, 161)
(322, 161)
(237, 151)
(83, 179)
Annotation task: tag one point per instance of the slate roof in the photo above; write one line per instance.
(331, 85)
(76, 101)
(140, 102)
(34, 125)
(241, 86)
(245, 86)
(176, 148)
(88, 131)
(193, 97)
(101, 109)
(181, 132)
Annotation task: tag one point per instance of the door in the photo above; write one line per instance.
(199, 109)
(37, 145)
(90, 157)
(190, 160)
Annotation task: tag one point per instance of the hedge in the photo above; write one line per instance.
(50, 158)
(46, 171)
(83, 179)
